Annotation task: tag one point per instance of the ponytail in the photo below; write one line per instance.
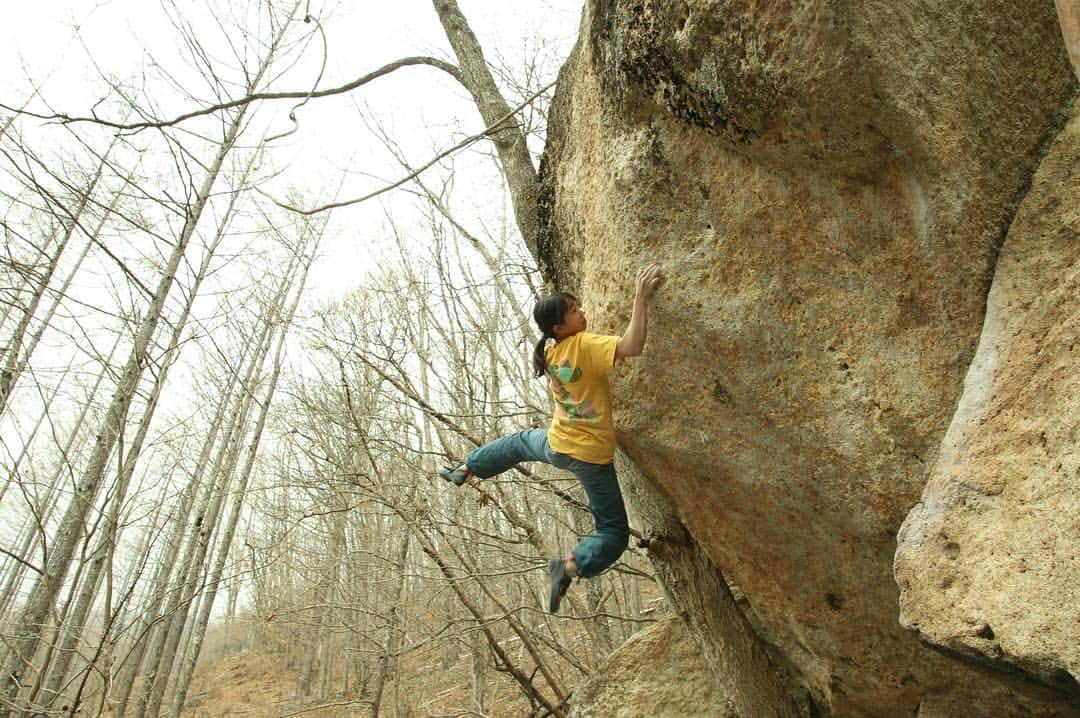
(540, 357)
(548, 312)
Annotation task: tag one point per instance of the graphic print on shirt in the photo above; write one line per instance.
(562, 375)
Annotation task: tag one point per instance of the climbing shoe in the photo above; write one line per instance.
(560, 581)
(456, 475)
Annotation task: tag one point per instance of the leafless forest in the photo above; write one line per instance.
(192, 446)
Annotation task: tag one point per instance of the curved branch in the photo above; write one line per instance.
(21, 560)
(497, 126)
(211, 109)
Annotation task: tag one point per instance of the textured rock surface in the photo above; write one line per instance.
(659, 673)
(1069, 16)
(756, 679)
(827, 184)
(987, 562)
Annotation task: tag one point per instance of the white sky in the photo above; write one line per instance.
(52, 37)
(65, 46)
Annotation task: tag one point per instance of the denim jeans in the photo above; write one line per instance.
(606, 543)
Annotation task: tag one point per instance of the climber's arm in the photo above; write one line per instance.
(632, 342)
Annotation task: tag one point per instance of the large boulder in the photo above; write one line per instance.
(827, 184)
(658, 673)
(987, 561)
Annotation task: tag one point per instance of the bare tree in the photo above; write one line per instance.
(508, 136)
(21, 343)
(355, 565)
(282, 324)
(46, 588)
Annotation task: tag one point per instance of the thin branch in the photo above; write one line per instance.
(29, 565)
(321, 706)
(490, 129)
(247, 99)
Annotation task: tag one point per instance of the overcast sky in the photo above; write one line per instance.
(53, 37)
(66, 46)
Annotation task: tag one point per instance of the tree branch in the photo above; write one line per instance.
(487, 131)
(29, 565)
(247, 99)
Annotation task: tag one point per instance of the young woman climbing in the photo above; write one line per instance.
(581, 438)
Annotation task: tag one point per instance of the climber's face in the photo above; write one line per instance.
(572, 323)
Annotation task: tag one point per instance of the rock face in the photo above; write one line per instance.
(659, 673)
(828, 184)
(987, 561)
(1069, 15)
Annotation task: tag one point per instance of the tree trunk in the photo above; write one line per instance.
(392, 633)
(324, 593)
(43, 595)
(149, 615)
(509, 139)
(198, 630)
(103, 658)
(16, 355)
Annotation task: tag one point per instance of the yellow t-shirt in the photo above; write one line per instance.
(578, 368)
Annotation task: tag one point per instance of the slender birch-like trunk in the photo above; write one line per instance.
(198, 629)
(16, 355)
(149, 613)
(392, 633)
(27, 628)
(325, 589)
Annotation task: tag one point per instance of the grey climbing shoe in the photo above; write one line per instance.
(455, 475)
(560, 581)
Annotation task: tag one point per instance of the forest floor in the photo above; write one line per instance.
(431, 682)
(257, 685)
(250, 684)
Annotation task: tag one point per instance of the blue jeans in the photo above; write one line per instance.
(604, 545)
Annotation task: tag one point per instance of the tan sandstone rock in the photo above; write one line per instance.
(827, 184)
(659, 673)
(1069, 17)
(988, 561)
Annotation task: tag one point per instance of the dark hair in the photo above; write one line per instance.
(548, 312)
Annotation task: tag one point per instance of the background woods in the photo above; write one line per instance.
(221, 416)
